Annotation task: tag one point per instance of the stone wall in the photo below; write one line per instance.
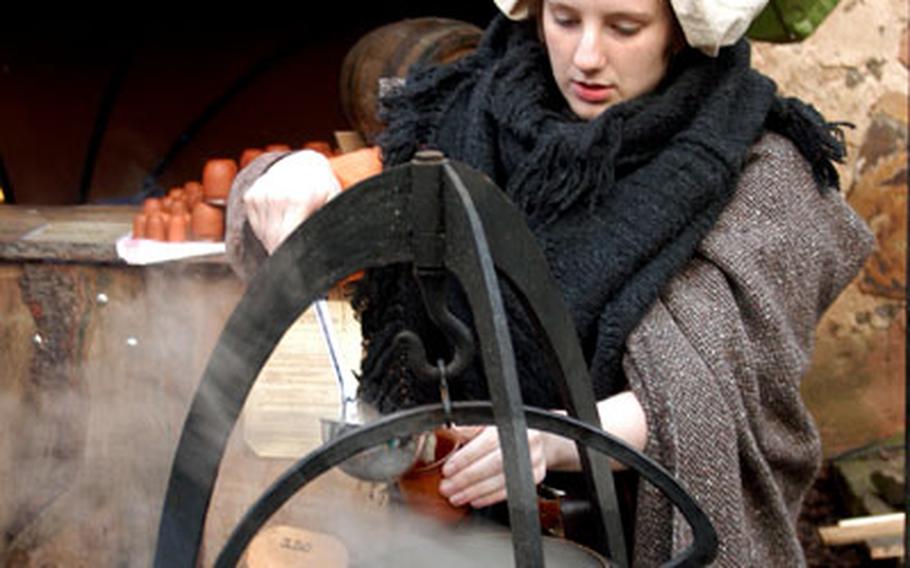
(854, 69)
(849, 63)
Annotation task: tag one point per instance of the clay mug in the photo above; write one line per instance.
(419, 486)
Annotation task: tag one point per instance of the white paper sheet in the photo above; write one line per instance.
(145, 251)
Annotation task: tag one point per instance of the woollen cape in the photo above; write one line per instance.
(617, 204)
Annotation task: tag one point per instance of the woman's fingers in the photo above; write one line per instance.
(480, 477)
(489, 499)
(465, 433)
(476, 475)
(481, 492)
(482, 443)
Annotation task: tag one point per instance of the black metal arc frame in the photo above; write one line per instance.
(102, 118)
(699, 553)
(425, 212)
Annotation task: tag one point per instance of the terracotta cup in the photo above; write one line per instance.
(419, 487)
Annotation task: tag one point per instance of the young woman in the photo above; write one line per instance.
(691, 218)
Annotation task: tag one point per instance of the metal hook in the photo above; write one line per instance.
(432, 287)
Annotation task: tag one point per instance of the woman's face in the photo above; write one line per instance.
(606, 51)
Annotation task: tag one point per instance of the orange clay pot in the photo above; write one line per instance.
(191, 187)
(139, 221)
(208, 222)
(348, 280)
(356, 166)
(178, 228)
(151, 205)
(420, 486)
(320, 146)
(217, 177)
(277, 148)
(193, 193)
(177, 194)
(179, 207)
(249, 155)
(155, 227)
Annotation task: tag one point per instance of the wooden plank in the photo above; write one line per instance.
(859, 529)
(349, 140)
(84, 234)
(297, 387)
(13, 227)
(10, 214)
(884, 548)
(79, 232)
(67, 234)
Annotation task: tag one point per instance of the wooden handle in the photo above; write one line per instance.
(862, 528)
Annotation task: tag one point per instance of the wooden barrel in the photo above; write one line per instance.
(388, 52)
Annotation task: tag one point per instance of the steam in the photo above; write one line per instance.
(89, 443)
(89, 453)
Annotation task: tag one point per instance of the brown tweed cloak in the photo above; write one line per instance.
(717, 362)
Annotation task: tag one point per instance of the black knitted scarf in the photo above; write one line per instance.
(618, 204)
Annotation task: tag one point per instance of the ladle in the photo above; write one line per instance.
(385, 462)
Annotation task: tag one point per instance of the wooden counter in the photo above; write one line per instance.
(68, 234)
(99, 362)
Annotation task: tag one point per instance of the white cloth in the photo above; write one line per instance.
(513, 9)
(145, 251)
(711, 24)
(292, 189)
(707, 24)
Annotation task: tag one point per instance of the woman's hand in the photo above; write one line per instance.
(475, 474)
(287, 194)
